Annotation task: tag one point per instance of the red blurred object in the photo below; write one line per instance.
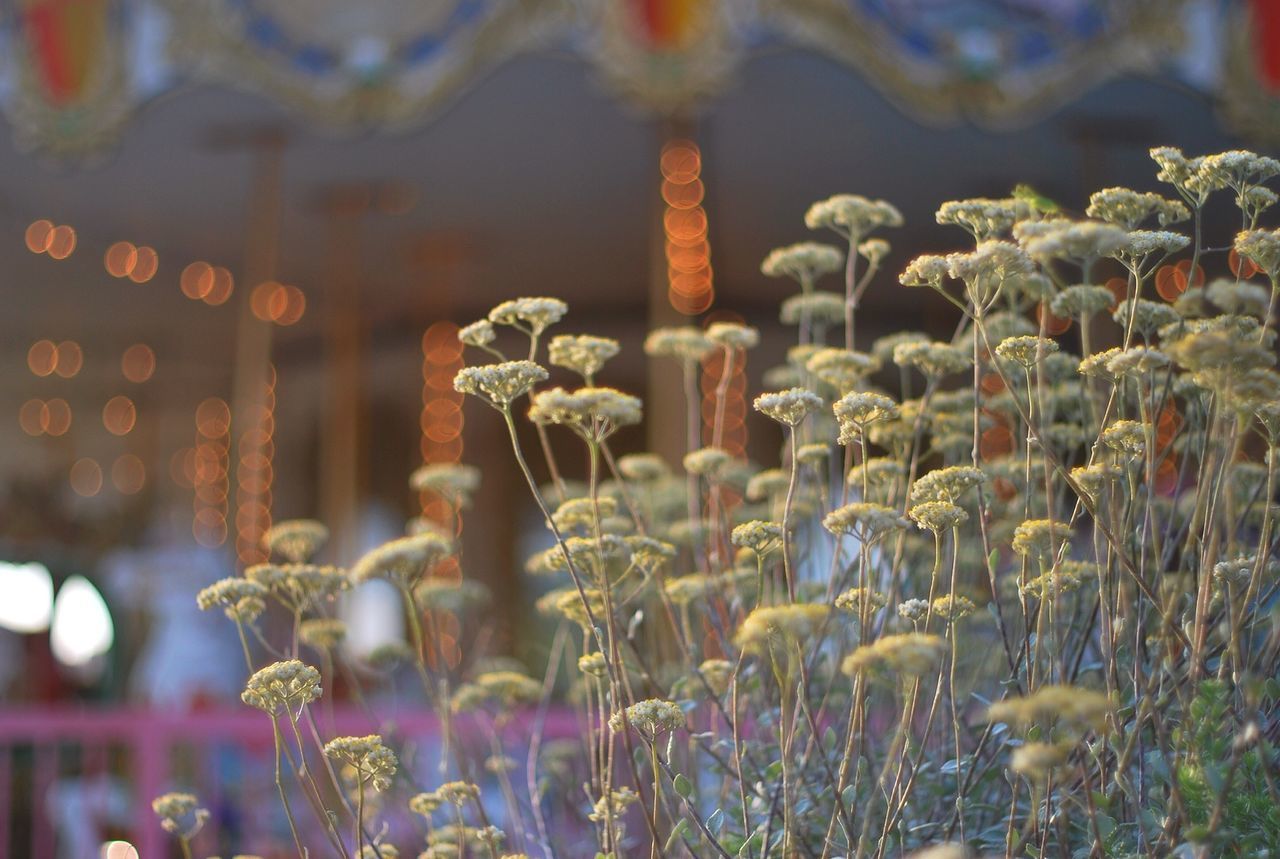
(1266, 36)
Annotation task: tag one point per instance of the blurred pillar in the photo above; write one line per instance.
(340, 466)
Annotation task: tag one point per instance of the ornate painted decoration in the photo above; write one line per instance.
(71, 71)
(65, 83)
(990, 61)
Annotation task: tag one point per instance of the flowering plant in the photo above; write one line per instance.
(1001, 596)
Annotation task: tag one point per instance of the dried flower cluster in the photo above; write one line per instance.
(1007, 593)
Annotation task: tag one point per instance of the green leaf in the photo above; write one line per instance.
(676, 833)
(683, 786)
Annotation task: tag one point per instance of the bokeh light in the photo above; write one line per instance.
(42, 357)
(146, 263)
(39, 235)
(220, 287)
(55, 417)
(689, 278)
(62, 242)
(31, 417)
(81, 629)
(69, 359)
(27, 606)
(196, 280)
(119, 415)
(128, 474)
(205, 468)
(254, 474)
(120, 259)
(138, 363)
(86, 477)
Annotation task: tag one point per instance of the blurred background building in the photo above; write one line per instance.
(238, 237)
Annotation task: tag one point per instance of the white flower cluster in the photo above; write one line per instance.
(581, 353)
(499, 384)
(803, 262)
(531, 315)
(789, 407)
(852, 215)
(592, 412)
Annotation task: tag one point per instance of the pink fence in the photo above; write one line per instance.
(139, 747)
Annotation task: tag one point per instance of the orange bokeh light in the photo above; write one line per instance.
(42, 357)
(120, 259)
(128, 474)
(196, 280)
(119, 415)
(685, 225)
(683, 195)
(1168, 285)
(69, 359)
(1119, 287)
(220, 289)
(138, 363)
(39, 235)
(145, 264)
(681, 161)
(1241, 267)
(213, 418)
(30, 417)
(1053, 325)
(86, 477)
(62, 241)
(209, 528)
(55, 416)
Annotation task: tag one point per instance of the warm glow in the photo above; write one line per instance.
(28, 597)
(69, 359)
(213, 418)
(205, 469)
(55, 416)
(120, 259)
(145, 264)
(441, 419)
(128, 474)
(62, 242)
(197, 280)
(254, 472)
(221, 287)
(119, 415)
(81, 627)
(682, 195)
(681, 161)
(39, 235)
(277, 302)
(42, 357)
(31, 417)
(138, 363)
(260, 299)
(86, 477)
(690, 290)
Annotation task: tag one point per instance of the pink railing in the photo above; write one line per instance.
(148, 740)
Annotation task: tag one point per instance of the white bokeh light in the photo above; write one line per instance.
(26, 597)
(82, 628)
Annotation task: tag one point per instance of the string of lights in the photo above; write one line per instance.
(684, 222)
(254, 475)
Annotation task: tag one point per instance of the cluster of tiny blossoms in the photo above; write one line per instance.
(1006, 592)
